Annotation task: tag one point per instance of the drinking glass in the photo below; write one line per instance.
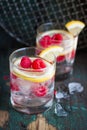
(52, 34)
(32, 81)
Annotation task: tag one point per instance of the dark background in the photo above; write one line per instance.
(20, 18)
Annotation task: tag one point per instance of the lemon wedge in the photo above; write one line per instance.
(51, 52)
(75, 27)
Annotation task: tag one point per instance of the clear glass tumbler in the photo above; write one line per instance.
(51, 34)
(31, 80)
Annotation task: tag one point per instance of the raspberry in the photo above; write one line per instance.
(13, 76)
(45, 41)
(25, 62)
(57, 38)
(72, 54)
(55, 91)
(14, 87)
(60, 58)
(38, 64)
(40, 91)
(6, 77)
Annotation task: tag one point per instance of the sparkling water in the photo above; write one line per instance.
(31, 91)
(65, 59)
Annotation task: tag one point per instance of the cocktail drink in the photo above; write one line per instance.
(63, 39)
(32, 81)
(51, 36)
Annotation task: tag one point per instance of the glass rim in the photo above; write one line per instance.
(17, 50)
(47, 23)
(71, 36)
(37, 56)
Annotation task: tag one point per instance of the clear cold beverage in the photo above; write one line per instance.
(65, 60)
(32, 90)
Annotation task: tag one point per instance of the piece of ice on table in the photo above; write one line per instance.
(75, 87)
(59, 111)
(59, 95)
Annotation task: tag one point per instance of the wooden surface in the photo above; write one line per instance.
(13, 120)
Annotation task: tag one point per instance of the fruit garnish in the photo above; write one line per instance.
(28, 73)
(25, 62)
(14, 87)
(60, 58)
(38, 64)
(75, 27)
(40, 91)
(55, 92)
(45, 41)
(72, 54)
(13, 76)
(57, 38)
(51, 52)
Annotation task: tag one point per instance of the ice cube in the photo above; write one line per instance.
(59, 95)
(24, 85)
(75, 87)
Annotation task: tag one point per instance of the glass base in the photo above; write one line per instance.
(31, 110)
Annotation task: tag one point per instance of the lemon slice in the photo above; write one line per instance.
(34, 79)
(75, 27)
(51, 52)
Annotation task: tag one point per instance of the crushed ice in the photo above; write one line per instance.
(75, 87)
(59, 111)
(59, 95)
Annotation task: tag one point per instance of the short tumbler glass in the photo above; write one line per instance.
(32, 88)
(53, 34)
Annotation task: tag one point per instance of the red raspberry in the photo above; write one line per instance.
(38, 64)
(40, 91)
(6, 77)
(57, 38)
(13, 76)
(73, 54)
(45, 41)
(25, 62)
(60, 58)
(55, 91)
(14, 87)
